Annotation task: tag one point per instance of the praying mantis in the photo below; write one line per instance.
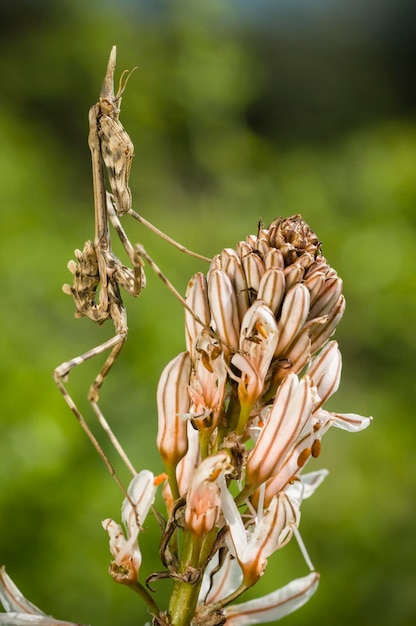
(99, 276)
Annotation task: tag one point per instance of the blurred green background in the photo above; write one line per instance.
(239, 110)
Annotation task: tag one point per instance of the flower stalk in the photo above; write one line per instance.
(240, 417)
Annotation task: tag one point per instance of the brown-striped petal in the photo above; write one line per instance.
(272, 288)
(292, 408)
(172, 402)
(320, 333)
(295, 311)
(197, 298)
(224, 309)
(254, 269)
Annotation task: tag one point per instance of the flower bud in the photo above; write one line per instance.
(197, 298)
(172, 402)
(295, 310)
(126, 552)
(272, 288)
(253, 269)
(234, 270)
(224, 310)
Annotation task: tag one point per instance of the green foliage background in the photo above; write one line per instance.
(236, 114)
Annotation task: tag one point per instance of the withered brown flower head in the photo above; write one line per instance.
(296, 232)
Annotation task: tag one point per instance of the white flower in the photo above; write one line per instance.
(203, 505)
(126, 552)
(275, 605)
(270, 530)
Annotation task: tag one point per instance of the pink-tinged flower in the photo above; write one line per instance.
(288, 417)
(274, 606)
(290, 469)
(172, 403)
(258, 340)
(19, 610)
(203, 504)
(208, 380)
(134, 510)
(270, 531)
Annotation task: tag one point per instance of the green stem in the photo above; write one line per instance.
(244, 494)
(204, 440)
(231, 597)
(230, 420)
(173, 483)
(242, 418)
(184, 596)
(144, 594)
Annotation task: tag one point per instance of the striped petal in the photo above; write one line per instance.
(197, 298)
(295, 311)
(291, 410)
(172, 402)
(274, 606)
(325, 371)
(272, 288)
(224, 310)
